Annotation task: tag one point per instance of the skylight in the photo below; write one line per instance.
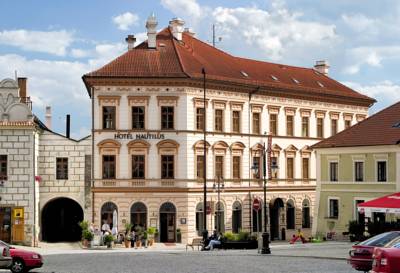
(320, 84)
(244, 73)
(295, 80)
(274, 78)
(397, 125)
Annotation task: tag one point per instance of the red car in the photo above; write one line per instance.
(23, 260)
(361, 253)
(386, 260)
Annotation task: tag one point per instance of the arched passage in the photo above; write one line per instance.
(139, 215)
(275, 210)
(167, 222)
(60, 220)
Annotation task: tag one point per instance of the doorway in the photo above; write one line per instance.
(275, 211)
(60, 221)
(167, 223)
(5, 224)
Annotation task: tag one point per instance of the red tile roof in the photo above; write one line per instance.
(187, 58)
(378, 129)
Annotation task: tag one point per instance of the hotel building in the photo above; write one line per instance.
(148, 119)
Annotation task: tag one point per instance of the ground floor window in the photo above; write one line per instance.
(109, 215)
(199, 219)
(219, 219)
(257, 219)
(306, 221)
(236, 217)
(290, 215)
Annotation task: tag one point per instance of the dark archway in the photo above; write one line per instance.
(236, 217)
(274, 213)
(108, 211)
(167, 222)
(139, 215)
(60, 220)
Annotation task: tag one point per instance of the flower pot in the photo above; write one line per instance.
(109, 244)
(138, 243)
(151, 241)
(85, 243)
(127, 243)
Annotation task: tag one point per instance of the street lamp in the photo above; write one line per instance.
(218, 186)
(256, 168)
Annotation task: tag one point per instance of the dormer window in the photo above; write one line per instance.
(320, 84)
(244, 74)
(295, 81)
(274, 78)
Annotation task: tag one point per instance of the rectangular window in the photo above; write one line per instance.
(333, 208)
(167, 167)
(306, 168)
(359, 171)
(167, 117)
(219, 166)
(138, 166)
(3, 167)
(257, 166)
(236, 167)
(333, 126)
(273, 124)
(360, 217)
(138, 117)
(200, 166)
(289, 125)
(109, 166)
(219, 114)
(200, 118)
(289, 168)
(109, 117)
(304, 127)
(274, 163)
(256, 123)
(61, 168)
(333, 171)
(347, 124)
(320, 127)
(381, 168)
(236, 121)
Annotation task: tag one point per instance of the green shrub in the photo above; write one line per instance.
(87, 235)
(230, 236)
(84, 225)
(151, 230)
(109, 238)
(128, 227)
(243, 236)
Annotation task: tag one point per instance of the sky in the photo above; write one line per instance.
(54, 43)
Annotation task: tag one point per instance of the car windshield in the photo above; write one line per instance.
(396, 245)
(381, 239)
(4, 244)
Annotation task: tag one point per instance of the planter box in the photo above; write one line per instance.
(240, 244)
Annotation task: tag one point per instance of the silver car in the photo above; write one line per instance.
(5, 257)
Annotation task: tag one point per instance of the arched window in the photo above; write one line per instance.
(257, 218)
(306, 221)
(199, 219)
(139, 214)
(109, 214)
(290, 215)
(219, 217)
(236, 217)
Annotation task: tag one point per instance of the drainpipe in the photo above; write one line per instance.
(34, 190)
(92, 158)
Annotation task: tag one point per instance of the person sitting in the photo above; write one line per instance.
(215, 240)
(105, 227)
(298, 236)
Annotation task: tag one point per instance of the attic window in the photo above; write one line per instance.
(274, 78)
(161, 45)
(320, 84)
(244, 73)
(396, 125)
(295, 80)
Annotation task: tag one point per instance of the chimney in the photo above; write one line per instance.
(151, 25)
(176, 26)
(22, 87)
(130, 39)
(189, 31)
(322, 67)
(67, 134)
(48, 117)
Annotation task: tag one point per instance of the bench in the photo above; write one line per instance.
(195, 242)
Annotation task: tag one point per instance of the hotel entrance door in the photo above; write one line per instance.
(5, 224)
(167, 223)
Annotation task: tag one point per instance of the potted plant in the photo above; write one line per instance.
(156, 236)
(128, 237)
(87, 236)
(139, 234)
(108, 240)
(178, 236)
(150, 232)
(144, 239)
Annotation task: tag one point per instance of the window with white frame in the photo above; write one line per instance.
(359, 171)
(333, 171)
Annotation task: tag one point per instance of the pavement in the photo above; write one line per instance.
(324, 250)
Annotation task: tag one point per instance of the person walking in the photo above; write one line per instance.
(298, 236)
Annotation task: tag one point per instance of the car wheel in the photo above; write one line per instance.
(18, 266)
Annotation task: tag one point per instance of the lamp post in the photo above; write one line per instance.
(265, 153)
(205, 232)
(218, 186)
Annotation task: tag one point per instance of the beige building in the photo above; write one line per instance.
(148, 118)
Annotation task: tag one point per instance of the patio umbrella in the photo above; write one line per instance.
(115, 219)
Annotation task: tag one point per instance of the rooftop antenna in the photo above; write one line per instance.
(214, 36)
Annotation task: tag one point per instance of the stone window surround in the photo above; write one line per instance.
(139, 101)
(236, 106)
(168, 147)
(306, 153)
(109, 101)
(290, 152)
(237, 150)
(273, 109)
(138, 147)
(68, 168)
(256, 108)
(381, 158)
(219, 149)
(276, 153)
(168, 101)
(220, 105)
(291, 111)
(199, 103)
(358, 158)
(198, 149)
(109, 147)
(8, 167)
(329, 207)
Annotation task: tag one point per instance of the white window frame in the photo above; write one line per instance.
(381, 158)
(354, 170)
(329, 207)
(329, 170)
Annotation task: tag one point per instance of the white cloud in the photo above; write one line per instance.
(80, 53)
(125, 20)
(189, 8)
(384, 91)
(273, 32)
(52, 42)
(359, 22)
(104, 53)
(371, 56)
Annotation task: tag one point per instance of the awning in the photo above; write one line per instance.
(386, 204)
